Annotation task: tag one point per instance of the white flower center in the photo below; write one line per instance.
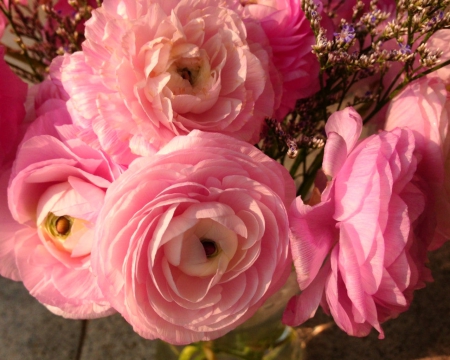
(189, 72)
(203, 250)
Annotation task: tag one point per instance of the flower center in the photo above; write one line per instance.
(210, 247)
(186, 74)
(58, 226)
(63, 225)
(189, 70)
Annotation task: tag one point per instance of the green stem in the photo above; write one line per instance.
(324, 97)
(429, 71)
(309, 177)
(346, 88)
(241, 354)
(386, 97)
(297, 162)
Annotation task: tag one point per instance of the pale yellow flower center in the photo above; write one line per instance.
(59, 229)
(190, 74)
(58, 226)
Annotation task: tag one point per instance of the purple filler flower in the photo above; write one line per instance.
(347, 33)
(405, 49)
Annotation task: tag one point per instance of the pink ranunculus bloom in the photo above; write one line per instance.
(13, 92)
(50, 97)
(424, 107)
(290, 37)
(55, 193)
(193, 240)
(360, 250)
(151, 70)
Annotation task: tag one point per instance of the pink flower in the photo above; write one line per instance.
(151, 70)
(360, 251)
(55, 193)
(13, 92)
(192, 240)
(50, 94)
(424, 107)
(49, 98)
(290, 37)
(8, 227)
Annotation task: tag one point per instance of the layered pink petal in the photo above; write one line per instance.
(423, 106)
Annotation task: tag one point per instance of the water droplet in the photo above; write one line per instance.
(292, 153)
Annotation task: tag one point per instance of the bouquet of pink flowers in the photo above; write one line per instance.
(174, 160)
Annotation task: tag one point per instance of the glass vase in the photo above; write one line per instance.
(262, 337)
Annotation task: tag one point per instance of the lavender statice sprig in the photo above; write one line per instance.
(346, 35)
(344, 64)
(41, 33)
(355, 62)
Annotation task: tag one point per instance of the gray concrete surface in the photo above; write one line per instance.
(29, 332)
